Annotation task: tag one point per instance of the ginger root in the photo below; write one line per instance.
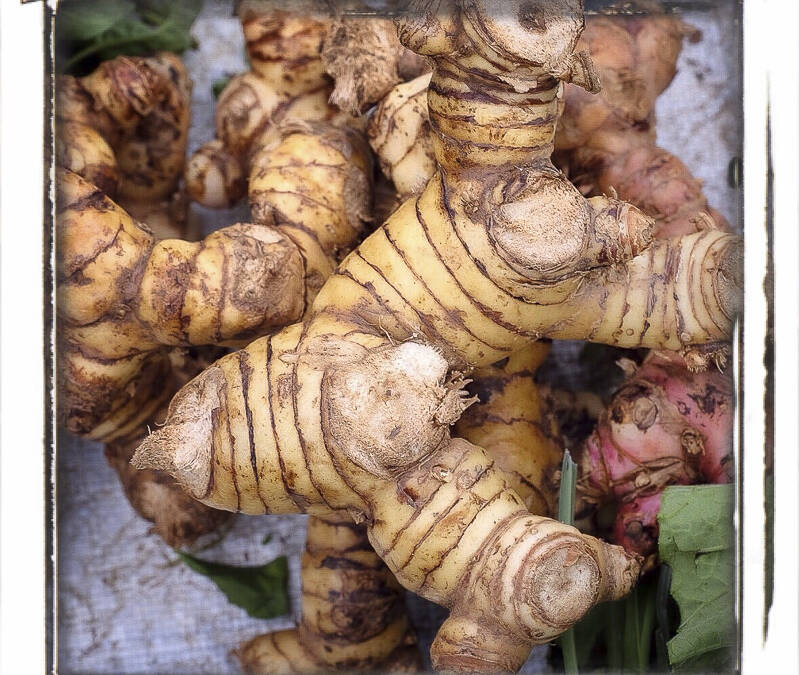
(351, 408)
(124, 128)
(286, 80)
(124, 299)
(353, 613)
(361, 424)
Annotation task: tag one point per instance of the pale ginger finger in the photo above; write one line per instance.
(353, 614)
(137, 111)
(284, 44)
(512, 423)
(114, 98)
(246, 115)
(215, 177)
(399, 133)
(286, 81)
(314, 186)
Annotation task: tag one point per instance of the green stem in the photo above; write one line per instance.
(566, 497)
(631, 632)
(614, 636)
(647, 624)
(662, 633)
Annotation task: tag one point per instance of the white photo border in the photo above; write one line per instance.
(28, 563)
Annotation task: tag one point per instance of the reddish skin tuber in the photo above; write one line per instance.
(636, 525)
(665, 426)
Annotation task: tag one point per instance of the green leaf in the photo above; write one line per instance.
(262, 591)
(88, 19)
(99, 29)
(267, 538)
(219, 84)
(568, 487)
(696, 541)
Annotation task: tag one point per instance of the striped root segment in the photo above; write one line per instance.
(399, 133)
(124, 127)
(314, 186)
(481, 279)
(125, 299)
(287, 80)
(353, 612)
(513, 423)
(310, 420)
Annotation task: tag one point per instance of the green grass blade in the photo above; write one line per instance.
(566, 498)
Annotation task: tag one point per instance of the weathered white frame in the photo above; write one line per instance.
(27, 562)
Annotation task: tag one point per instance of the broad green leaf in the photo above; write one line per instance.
(262, 591)
(87, 19)
(99, 29)
(696, 541)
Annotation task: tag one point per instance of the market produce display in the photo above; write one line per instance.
(383, 331)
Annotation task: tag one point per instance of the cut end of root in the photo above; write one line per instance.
(183, 446)
(729, 274)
